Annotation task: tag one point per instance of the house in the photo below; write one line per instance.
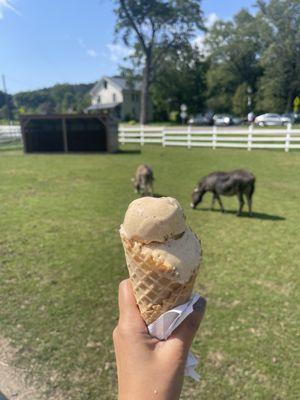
(116, 95)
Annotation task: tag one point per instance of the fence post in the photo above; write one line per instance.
(214, 143)
(163, 137)
(121, 136)
(189, 137)
(249, 144)
(287, 137)
(142, 137)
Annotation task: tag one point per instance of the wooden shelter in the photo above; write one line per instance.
(69, 133)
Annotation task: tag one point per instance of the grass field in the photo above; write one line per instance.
(61, 262)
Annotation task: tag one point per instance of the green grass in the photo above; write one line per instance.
(61, 262)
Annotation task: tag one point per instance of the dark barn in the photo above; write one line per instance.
(69, 133)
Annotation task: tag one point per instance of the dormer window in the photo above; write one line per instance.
(105, 84)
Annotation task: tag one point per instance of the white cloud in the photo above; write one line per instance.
(211, 19)
(199, 44)
(199, 41)
(88, 51)
(92, 53)
(118, 52)
(7, 4)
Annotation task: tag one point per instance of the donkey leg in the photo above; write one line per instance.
(241, 203)
(249, 201)
(220, 202)
(213, 201)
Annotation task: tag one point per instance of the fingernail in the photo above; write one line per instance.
(200, 305)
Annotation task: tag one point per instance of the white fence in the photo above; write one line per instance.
(233, 137)
(10, 134)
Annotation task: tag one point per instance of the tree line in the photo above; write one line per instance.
(249, 62)
(60, 98)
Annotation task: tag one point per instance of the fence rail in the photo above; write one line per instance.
(246, 138)
(10, 134)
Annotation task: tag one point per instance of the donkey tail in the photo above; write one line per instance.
(252, 187)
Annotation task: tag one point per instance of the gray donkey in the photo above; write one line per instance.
(143, 181)
(239, 182)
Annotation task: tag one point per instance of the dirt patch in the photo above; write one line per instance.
(12, 380)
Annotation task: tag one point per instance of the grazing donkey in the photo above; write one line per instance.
(239, 182)
(143, 180)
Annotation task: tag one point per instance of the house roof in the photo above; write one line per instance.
(119, 83)
(123, 83)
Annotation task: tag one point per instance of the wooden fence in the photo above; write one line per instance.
(10, 134)
(213, 137)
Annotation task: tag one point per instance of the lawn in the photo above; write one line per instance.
(61, 262)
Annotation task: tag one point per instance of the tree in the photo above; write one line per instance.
(278, 23)
(234, 49)
(180, 79)
(240, 100)
(58, 98)
(152, 28)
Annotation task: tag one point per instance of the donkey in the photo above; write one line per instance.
(143, 180)
(239, 182)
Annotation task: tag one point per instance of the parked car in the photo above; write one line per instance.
(201, 119)
(226, 120)
(288, 118)
(237, 121)
(272, 119)
(296, 117)
(222, 119)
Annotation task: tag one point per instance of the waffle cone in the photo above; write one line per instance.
(155, 286)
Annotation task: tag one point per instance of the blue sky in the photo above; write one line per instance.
(43, 42)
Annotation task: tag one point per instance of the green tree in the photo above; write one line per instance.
(68, 101)
(54, 99)
(152, 28)
(234, 49)
(278, 22)
(181, 78)
(240, 100)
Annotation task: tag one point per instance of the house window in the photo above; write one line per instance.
(105, 84)
(114, 98)
(132, 97)
(99, 99)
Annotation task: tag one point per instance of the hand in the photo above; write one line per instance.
(149, 368)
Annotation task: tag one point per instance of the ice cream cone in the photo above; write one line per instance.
(159, 278)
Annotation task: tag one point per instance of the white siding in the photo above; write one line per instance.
(107, 95)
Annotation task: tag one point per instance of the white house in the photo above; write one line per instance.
(118, 96)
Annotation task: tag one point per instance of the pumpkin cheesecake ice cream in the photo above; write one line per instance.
(163, 255)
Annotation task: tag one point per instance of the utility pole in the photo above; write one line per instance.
(6, 99)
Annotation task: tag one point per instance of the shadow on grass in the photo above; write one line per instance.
(245, 214)
(128, 151)
(157, 195)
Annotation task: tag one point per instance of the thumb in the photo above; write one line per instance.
(182, 338)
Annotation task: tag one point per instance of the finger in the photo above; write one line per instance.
(183, 336)
(129, 314)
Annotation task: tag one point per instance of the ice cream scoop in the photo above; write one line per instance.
(151, 219)
(163, 255)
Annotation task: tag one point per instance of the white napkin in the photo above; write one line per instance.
(168, 322)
